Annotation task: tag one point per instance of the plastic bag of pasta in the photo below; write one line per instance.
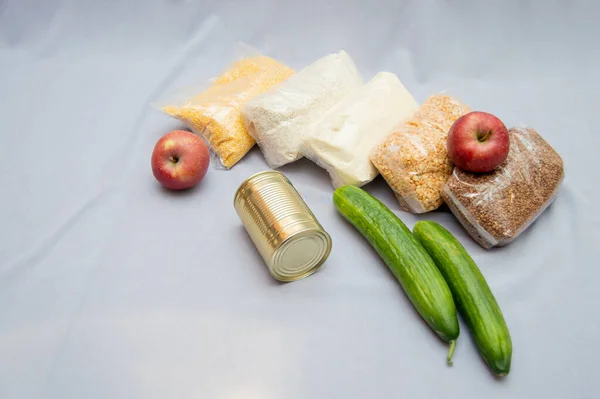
(413, 160)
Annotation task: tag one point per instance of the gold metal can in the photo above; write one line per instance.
(286, 233)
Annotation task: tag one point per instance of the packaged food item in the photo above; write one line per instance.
(495, 208)
(342, 139)
(286, 233)
(413, 160)
(279, 118)
(214, 113)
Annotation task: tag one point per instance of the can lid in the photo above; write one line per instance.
(301, 255)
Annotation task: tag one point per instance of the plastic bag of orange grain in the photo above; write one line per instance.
(215, 114)
(414, 161)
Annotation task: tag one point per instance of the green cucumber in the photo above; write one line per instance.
(406, 258)
(473, 296)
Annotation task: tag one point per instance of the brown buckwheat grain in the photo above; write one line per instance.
(495, 208)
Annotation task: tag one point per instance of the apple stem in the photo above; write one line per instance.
(483, 137)
(173, 159)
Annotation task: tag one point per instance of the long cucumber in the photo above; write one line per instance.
(474, 299)
(405, 257)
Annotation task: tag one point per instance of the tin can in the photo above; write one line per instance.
(286, 233)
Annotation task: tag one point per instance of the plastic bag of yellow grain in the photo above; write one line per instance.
(414, 161)
(215, 114)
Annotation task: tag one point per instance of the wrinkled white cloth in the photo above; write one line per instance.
(111, 287)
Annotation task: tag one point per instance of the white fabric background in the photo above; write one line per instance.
(111, 287)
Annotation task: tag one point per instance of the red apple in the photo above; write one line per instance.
(478, 142)
(180, 160)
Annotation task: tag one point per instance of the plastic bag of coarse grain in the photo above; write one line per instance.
(342, 139)
(414, 161)
(214, 113)
(279, 118)
(495, 208)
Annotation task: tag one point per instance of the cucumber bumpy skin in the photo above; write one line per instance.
(473, 296)
(405, 257)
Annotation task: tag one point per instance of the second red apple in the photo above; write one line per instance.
(478, 142)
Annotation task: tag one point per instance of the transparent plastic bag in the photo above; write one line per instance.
(413, 160)
(279, 118)
(495, 208)
(340, 142)
(214, 113)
